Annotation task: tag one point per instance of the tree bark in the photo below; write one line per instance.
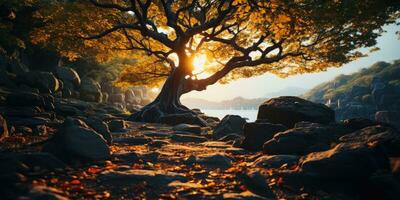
(167, 101)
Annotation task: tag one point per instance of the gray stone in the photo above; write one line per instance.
(213, 160)
(68, 75)
(276, 161)
(382, 136)
(129, 157)
(153, 178)
(24, 99)
(187, 138)
(100, 127)
(158, 143)
(41, 160)
(347, 162)
(309, 137)
(46, 82)
(229, 124)
(256, 134)
(187, 128)
(289, 110)
(116, 125)
(75, 141)
(132, 140)
(90, 90)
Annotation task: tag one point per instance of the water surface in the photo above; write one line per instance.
(251, 115)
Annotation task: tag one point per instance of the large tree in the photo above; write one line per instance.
(232, 38)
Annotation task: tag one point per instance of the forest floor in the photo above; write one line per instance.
(149, 161)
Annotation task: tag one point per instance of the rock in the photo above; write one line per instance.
(289, 110)
(68, 75)
(129, 157)
(257, 183)
(40, 130)
(304, 139)
(187, 118)
(130, 177)
(41, 160)
(276, 161)
(132, 140)
(30, 122)
(3, 128)
(359, 123)
(214, 160)
(158, 143)
(9, 164)
(187, 128)
(231, 137)
(116, 98)
(382, 136)
(67, 110)
(39, 192)
(156, 134)
(24, 99)
(116, 125)
(229, 124)
(390, 117)
(256, 134)
(100, 127)
(46, 82)
(243, 195)
(75, 141)
(90, 90)
(187, 138)
(347, 162)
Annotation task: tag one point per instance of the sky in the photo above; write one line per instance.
(259, 86)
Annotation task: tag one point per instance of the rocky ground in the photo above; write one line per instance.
(294, 150)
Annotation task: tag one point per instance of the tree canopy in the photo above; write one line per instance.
(239, 38)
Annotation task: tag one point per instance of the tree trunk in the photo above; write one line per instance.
(167, 101)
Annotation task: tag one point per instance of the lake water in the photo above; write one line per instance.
(251, 115)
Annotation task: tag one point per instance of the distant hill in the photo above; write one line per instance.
(235, 103)
(240, 102)
(362, 94)
(288, 91)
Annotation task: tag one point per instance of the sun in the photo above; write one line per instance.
(199, 62)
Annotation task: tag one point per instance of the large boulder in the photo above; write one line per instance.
(385, 137)
(256, 134)
(75, 141)
(116, 125)
(100, 127)
(390, 117)
(46, 82)
(24, 99)
(288, 110)
(303, 139)
(3, 128)
(228, 125)
(90, 90)
(347, 162)
(68, 75)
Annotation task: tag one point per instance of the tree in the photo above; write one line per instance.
(237, 38)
